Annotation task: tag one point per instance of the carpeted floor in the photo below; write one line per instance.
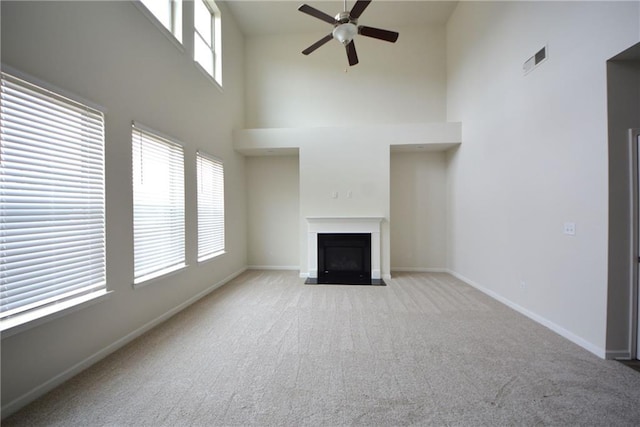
(266, 350)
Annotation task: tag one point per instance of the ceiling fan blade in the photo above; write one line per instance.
(351, 53)
(305, 8)
(377, 33)
(317, 44)
(358, 8)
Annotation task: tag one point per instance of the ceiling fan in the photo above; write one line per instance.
(345, 28)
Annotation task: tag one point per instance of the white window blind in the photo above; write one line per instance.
(210, 206)
(52, 206)
(158, 205)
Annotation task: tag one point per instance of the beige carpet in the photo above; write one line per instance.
(267, 350)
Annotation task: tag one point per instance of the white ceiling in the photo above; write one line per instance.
(258, 17)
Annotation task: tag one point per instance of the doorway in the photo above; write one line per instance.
(634, 135)
(623, 114)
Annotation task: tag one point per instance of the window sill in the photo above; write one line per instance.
(23, 322)
(155, 21)
(212, 256)
(212, 79)
(155, 277)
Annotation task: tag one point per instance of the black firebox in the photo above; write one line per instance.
(344, 258)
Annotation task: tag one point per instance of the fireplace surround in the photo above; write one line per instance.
(348, 227)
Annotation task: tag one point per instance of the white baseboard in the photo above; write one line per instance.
(273, 267)
(52, 383)
(600, 352)
(419, 270)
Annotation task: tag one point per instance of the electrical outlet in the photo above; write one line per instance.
(570, 228)
(523, 284)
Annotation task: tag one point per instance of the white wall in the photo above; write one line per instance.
(342, 165)
(273, 205)
(397, 83)
(111, 54)
(534, 155)
(402, 82)
(418, 211)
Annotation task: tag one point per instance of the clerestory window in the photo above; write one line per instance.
(207, 46)
(168, 13)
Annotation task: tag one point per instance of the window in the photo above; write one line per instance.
(52, 203)
(210, 206)
(169, 13)
(158, 205)
(207, 46)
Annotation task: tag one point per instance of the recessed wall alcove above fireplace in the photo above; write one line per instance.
(344, 250)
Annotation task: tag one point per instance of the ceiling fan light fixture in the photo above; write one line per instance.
(344, 33)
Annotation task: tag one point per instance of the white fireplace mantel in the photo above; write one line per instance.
(337, 225)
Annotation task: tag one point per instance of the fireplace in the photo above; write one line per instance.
(344, 258)
(344, 250)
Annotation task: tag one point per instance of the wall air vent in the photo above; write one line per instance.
(535, 60)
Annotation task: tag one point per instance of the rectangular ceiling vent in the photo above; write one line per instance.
(535, 60)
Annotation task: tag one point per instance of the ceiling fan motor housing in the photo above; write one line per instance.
(344, 17)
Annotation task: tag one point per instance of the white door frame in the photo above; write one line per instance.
(634, 142)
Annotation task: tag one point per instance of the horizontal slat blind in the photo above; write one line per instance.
(158, 205)
(210, 206)
(52, 207)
